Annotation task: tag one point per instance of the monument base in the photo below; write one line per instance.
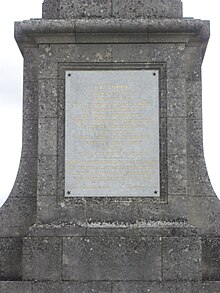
(110, 287)
(112, 193)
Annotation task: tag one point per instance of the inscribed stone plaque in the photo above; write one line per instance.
(112, 133)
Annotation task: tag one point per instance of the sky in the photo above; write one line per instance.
(11, 66)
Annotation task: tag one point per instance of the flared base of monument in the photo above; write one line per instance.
(119, 254)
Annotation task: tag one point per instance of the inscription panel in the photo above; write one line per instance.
(112, 133)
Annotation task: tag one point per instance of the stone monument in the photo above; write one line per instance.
(112, 193)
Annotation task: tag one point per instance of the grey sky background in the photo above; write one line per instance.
(11, 64)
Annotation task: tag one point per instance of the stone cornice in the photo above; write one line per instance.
(31, 32)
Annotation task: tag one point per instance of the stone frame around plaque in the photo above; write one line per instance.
(161, 68)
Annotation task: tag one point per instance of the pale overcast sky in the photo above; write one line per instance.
(11, 87)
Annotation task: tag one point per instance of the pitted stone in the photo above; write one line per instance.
(72, 9)
(124, 244)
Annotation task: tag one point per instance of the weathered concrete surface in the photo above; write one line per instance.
(109, 287)
(116, 245)
(112, 8)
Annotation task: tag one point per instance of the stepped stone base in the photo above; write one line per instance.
(119, 254)
(54, 243)
(109, 287)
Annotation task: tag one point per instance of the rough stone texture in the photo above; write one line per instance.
(70, 287)
(171, 212)
(211, 259)
(99, 287)
(112, 8)
(108, 287)
(111, 258)
(49, 210)
(10, 256)
(177, 174)
(47, 175)
(42, 258)
(198, 179)
(206, 287)
(182, 258)
(16, 287)
(48, 107)
(204, 212)
(151, 287)
(103, 245)
(16, 215)
(47, 287)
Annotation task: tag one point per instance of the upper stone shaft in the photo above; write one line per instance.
(122, 9)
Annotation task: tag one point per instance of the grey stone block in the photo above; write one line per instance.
(177, 26)
(194, 99)
(198, 179)
(42, 258)
(94, 53)
(173, 210)
(16, 215)
(96, 249)
(48, 210)
(110, 217)
(46, 188)
(51, 9)
(211, 259)
(163, 97)
(61, 174)
(47, 175)
(194, 137)
(181, 258)
(47, 287)
(50, 55)
(96, 287)
(72, 287)
(206, 287)
(176, 136)
(51, 210)
(177, 175)
(176, 107)
(47, 62)
(47, 136)
(111, 26)
(48, 95)
(113, 38)
(31, 67)
(173, 55)
(111, 258)
(46, 29)
(81, 9)
(25, 183)
(204, 213)
(193, 62)
(151, 287)
(176, 99)
(29, 138)
(113, 8)
(61, 120)
(10, 259)
(16, 287)
(111, 210)
(146, 9)
(30, 100)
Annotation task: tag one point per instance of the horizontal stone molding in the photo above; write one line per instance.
(41, 26)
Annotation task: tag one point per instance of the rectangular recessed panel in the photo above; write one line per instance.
(112, 133)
